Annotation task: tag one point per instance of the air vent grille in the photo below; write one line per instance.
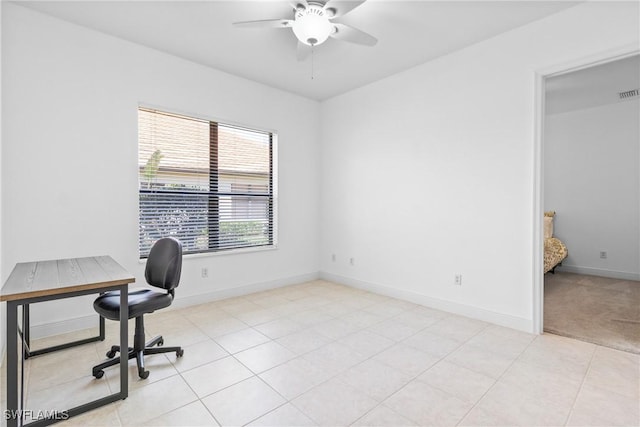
(629, 93)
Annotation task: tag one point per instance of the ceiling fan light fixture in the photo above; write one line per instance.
(311, 28)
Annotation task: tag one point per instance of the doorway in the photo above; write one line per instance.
(587, 156)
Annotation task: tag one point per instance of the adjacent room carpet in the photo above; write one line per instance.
(595, 309)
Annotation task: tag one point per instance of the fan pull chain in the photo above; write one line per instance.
(312, 62)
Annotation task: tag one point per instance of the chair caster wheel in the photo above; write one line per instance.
(160, 343)
(111, 354)
(143, 374)
(179, 353)
(98, 374)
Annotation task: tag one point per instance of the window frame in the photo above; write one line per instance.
(272, 198)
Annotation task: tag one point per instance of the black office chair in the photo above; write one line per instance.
(162, 271)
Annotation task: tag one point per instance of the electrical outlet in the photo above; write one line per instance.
(333, 257)
(352, 261)
(458, 279)
(204, 272)
(603, 254)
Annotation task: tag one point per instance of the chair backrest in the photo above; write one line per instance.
(164, 264)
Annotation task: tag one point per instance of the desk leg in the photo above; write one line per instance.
(13, 415)
(124, 342)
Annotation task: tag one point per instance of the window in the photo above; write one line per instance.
(208, 184)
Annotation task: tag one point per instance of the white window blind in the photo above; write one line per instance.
(208, 184)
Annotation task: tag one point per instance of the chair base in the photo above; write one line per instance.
(138, 351)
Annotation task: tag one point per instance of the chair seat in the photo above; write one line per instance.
(140, 302)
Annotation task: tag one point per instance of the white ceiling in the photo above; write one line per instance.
(409, 33)
(593, 86)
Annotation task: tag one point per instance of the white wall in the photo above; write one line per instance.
(70, 98)
(429, 173)
(592, 180)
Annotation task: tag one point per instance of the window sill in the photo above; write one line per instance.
(238, 251)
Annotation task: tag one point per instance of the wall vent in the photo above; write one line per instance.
(629, 93)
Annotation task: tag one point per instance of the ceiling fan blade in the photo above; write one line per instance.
(302, 51)
(349, 34)
(265, 23)
(338, 7)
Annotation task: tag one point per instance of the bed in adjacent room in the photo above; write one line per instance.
(554, 250)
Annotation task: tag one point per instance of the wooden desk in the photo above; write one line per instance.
(33, 282)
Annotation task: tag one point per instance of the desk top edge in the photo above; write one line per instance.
(19, 286)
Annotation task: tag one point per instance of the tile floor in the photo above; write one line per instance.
(319, 353)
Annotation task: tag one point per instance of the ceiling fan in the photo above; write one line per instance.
(313, 24)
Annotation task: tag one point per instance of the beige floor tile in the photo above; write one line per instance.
(192, 414)
(222, 326)
(381, 416)
(385, 309)
(430, 312)
(377, 349)
(406, 359)
(480, 360)
(564, 356)
(336, 309)
(542, 383)
(480, 417)
(198, 354)
(428, 406)
(356, 302)
(460, 382)
(334, 403)
(257, 317)
(67, 395)
(600, 407)
(393, 330)
(457, 328)
(270, 300)
(64, 338)
(511, 347)
(431, 343)
(292, 293)
(304, 341)
(509, 333)
(106, 416)
(334, 357)
(415, 319)
(366, 343)
(214, 376)
(295, 377)
(616, 371)
(176, 331)
(310, 317)
(237, 305)
(243, 402)
(336, 328)
(155, 400)
(375, 379)
(515, 405)
(286, 415)
(158, 365)
(279, 328)
(53, 369)
(241, 340)
(289, 308)
(264, 356)
(362, 319)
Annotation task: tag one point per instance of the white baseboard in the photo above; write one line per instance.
(64, 326)
(613, 274)
(501, 319)
(90, 321)
(242, 290)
